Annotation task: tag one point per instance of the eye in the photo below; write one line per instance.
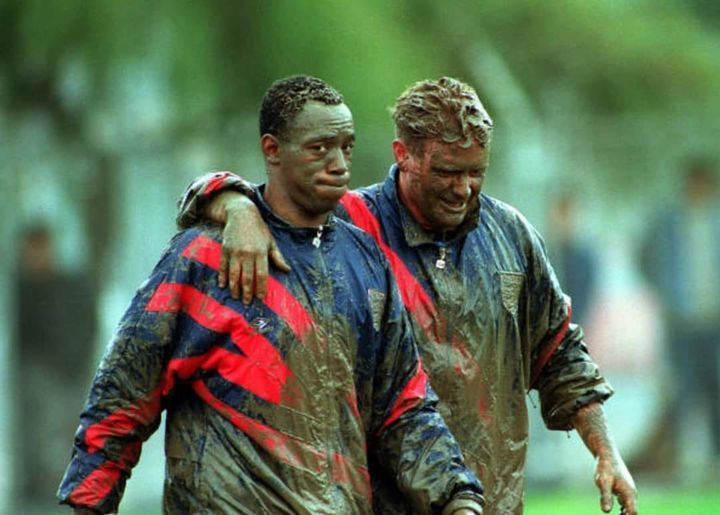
(478, 174)
(318, 148)
(348, 147)
(443, 174)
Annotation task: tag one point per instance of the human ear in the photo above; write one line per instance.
(270, 147)
(400, 151)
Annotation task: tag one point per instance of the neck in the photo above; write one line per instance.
(403, 187)
(282, 205)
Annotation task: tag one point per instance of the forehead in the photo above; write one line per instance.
(321, 120)
(455, 155)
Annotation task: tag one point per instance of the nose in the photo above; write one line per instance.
(337, 162)
(462, 185)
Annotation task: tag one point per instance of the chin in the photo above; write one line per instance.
(450, 222)
(330, 195)
(325, 205)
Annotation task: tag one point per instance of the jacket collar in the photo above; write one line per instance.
(414, 233)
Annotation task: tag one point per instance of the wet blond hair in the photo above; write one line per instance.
(445, 109)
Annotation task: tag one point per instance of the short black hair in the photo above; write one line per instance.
(286, 98)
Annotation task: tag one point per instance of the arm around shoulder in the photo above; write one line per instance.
(248, 246)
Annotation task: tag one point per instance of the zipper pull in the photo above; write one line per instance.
(316, 240)
(440, 263)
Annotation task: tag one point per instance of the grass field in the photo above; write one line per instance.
(652, 501)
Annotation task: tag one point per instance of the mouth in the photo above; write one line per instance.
(332, 189)
(334, 183)
(454, 207)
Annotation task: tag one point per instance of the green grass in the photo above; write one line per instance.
(653, 501)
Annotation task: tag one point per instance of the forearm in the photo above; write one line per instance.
(589, 422)
(200, 194)
(226, 204)
(611, 475)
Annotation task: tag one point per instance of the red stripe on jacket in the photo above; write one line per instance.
(208, 252)
(346, 472)
(123, 421)
(550, 346)
(216, 183)
(414, 296)
(288, 449)
(100, 482)
(284, 448)
(261, 370)
(410, 397)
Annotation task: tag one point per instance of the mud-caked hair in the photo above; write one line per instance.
(286, 98)
(444, 109)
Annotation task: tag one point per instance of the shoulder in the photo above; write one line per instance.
(505, 217)
(359, 242)
(370, 193)
(192, 241)
(502, 210)
(362, 199)
(355, 236)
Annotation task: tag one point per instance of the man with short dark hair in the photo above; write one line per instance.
(488, 313)
(275, 406)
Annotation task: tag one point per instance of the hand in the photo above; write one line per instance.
(463, 506)
(613, 478)
(247, 242)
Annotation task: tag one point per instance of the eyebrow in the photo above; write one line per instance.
(328, 137)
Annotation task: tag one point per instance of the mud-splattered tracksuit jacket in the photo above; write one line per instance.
(272, 407)
(491, 323)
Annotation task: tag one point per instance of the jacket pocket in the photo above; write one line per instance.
(511, 284)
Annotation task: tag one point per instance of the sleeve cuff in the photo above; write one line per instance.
(462, 503)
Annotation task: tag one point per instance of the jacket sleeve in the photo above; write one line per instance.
(202, 190)
(411, 441)
(562, 370)
(126, 397)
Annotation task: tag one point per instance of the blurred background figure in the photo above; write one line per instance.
(571, 255)
(680, 257)
(55, 336)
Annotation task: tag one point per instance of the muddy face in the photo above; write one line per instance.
(310, 165)
(441, 185)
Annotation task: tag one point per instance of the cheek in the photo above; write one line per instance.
(436, 185)
(308, 170)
